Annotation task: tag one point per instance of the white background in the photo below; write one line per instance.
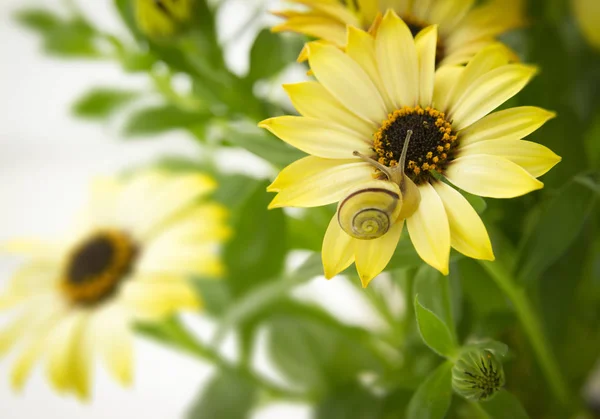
(47, 159)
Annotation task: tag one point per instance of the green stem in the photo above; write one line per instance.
(447, 301)
(532, 326)
(173, 333)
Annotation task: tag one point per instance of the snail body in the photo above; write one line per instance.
(369, 211)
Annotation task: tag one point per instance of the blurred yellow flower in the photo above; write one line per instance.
(163, 18)
(128, 259)
(587, 13)
(464, 28)
(384, 129)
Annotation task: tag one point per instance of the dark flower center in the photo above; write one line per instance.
(97, 266)
(431, 145)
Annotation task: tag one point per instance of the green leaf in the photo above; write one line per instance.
(235, 190)
(436, 294)
(262, 144)
(40, 20)
(405, 255)
(157, 120)
(72, 37)
(271, 53)
(432, 398)
(434, 331)
(257, 251)
(349, 402)
(263, 296)
(101, 102)
(558, 225)
(592, 143)
(317, 351)
(214, 294)
(477, 202)
(228, 395)
(308, 228)
(504, 405)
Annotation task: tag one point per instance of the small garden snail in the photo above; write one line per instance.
(370, 210)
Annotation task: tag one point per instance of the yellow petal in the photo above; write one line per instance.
(372, 256)
(345, 79)
(312, 100)
(36, 343)
(173, 257)
(449, 13)
(508, 124)
(429, 230)
(488, 59)
(397, 60)
(467, 232)
(324, 187)
(114, 341)
(490, 91)
(533, 157)
(27, 359)
(320, 27)
(426, 43)
(317, 137)
(488, 20)
(204, 223)
(361, 48)
(445, 79)
(333, 9)
(155, 300)
(491, 176)
(587, 13)
(338, 249)
(12, 333)
(32, 247)
(369, 9)
(101, 208)
(69, 355)
(173, 194)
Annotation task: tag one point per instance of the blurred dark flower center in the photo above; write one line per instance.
(97, 265)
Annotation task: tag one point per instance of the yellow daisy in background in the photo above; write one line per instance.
(587, 13)
(464, 28)
(129, 259)
(385, 131)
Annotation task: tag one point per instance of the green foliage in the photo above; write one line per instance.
(432, 398)
(160, 119)
(350, 402)
(72, 37)
(101, 102)
(256, 252)
(435, 332)
(228, 395)
(317, 352)
(504, 406)
(271, 53)
(557, 226)
(546, 243)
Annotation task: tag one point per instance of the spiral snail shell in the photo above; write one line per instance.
(368, 212)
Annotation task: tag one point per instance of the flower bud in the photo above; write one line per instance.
(477, 375)
(163, 18)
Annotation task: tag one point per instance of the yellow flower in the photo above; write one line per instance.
(129, 259)
(464, 28)
(587, 13)
(163, 18)
(385, 130)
